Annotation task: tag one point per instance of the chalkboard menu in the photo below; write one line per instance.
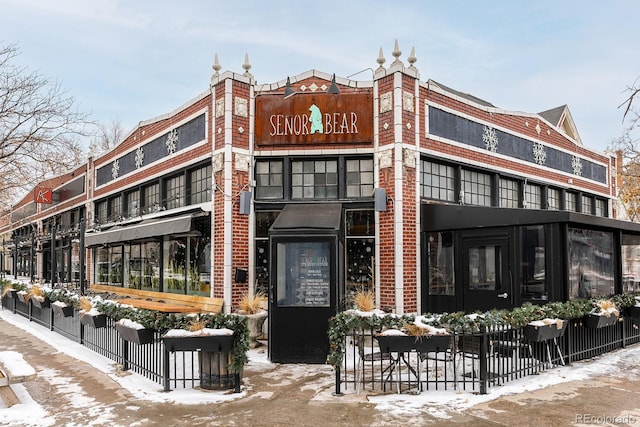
(304, 274)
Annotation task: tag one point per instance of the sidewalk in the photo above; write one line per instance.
(76, 387)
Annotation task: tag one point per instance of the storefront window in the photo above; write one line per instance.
(199, 277)
(264, 220)
(115, 266)
(150, 269)
(175, 261)
(361, 254)
(591, 263)
(101, 272)
(630, 263)
(441, 267)
(533, 284)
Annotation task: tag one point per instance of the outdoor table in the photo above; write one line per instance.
(157, 305)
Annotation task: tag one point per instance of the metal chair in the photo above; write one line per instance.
(368, 356)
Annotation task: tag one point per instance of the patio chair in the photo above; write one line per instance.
(367, 355)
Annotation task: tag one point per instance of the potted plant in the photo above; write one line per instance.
(546, 329)
(90, 316)
(134, 332)
(605, 313)
(252, 307)
(634, 310)
(214, 347)
(62, 309)
(417, 336)
(38, 297)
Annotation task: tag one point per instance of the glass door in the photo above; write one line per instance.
(486, 272)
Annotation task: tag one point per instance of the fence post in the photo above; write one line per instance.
(623, 325)
(337, 391)
(165, 367)
(125, 355)
(484, 374)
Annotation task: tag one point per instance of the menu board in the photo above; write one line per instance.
(308, 274)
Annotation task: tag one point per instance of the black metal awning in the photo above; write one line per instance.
(317, 216)
(142, 230)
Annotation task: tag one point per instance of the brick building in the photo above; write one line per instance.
(315, 186)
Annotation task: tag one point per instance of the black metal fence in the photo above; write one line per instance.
(177, 369)
(471, 362)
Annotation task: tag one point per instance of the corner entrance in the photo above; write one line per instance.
(303, 290)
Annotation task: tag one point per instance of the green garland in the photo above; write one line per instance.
(348, 323)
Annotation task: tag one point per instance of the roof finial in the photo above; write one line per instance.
(247, 66)
(411, 59)
(216, 65)
(396, 53)
(380, 59)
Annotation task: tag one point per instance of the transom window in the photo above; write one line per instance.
(553, 199)
(587, 205)
(359, 178)
(269, 183)
(438, 181)
(314, 179)
(509, 193)
(571, 201)
(533, 196)
(476, 188)
(175, 192)
(133, 203)
(151, 197)
(200, 185)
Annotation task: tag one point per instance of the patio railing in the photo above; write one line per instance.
(179, 369)
(471, 362)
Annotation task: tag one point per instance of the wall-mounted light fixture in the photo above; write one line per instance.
(245, 202)
(380, 199)
(333, 88)
(288, 91)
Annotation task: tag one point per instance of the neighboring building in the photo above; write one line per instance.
(316, 186)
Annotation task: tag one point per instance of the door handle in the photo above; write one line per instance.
(504, 295)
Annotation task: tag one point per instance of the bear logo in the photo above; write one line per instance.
(316, 119)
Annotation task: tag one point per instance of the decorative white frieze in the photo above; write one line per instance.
(115, 169)
(242, 162)
(409, 156)
(219, 107)
(490, 138)
(217, 163)
(385, 158)
(386, 103)
(407, 101)
(539, 153)
(139, 157)
(241, 107)
(172, 141)
(576, 165)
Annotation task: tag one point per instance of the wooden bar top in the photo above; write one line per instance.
(157, 305)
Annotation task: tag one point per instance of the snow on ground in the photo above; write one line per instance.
(619, 363)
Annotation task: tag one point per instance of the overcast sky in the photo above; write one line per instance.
(134, 60)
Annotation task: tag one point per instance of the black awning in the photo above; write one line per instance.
(141, 230)
(317, 216)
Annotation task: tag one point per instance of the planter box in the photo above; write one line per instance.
(62, 311)
(46, 303)
(138, 336)
(220, 343)
(634, 312)
(422, 344)
(95, 321)
(543, 333)
(595, 321)
(22, 296)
